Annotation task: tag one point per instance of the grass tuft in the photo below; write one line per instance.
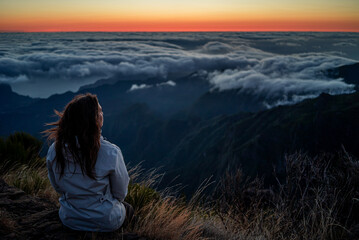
(166, 219)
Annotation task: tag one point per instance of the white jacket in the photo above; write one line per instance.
(87, 204)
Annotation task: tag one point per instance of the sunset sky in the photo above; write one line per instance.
(184, 15)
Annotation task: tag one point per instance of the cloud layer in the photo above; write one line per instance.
(285, 79)
(42, 64)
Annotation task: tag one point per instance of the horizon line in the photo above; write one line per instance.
(188, 31)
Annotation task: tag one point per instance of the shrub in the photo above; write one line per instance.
(21, 166)
(140, 195)
(18, 149)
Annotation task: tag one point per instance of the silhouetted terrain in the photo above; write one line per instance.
(11, 101)
(195, 131)
(350, 74)
(260, 141)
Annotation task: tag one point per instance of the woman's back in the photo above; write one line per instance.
(91, 204)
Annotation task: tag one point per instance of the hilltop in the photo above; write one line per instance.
(238, 208)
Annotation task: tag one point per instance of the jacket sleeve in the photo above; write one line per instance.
(51, 175)
(119, 178)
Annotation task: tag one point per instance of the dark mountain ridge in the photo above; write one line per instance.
(11, 100)
(194, 132)
(350, 74)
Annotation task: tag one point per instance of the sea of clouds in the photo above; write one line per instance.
(288, 66)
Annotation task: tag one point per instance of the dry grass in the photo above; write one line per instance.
(316, 201)
(166, 219)
(158, 215)
(32, 180)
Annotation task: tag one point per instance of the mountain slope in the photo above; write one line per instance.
(350, 74)
(10, 100)
(183, 127)
(260, 141)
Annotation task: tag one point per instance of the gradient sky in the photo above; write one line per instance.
(182, 15)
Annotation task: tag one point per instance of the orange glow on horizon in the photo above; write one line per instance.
(183, 26)
(184, 15)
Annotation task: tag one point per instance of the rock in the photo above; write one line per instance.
(27, 217)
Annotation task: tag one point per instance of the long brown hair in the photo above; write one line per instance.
(77, 132)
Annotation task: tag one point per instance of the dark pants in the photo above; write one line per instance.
(129, 214)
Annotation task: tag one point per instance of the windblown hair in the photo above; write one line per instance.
(77, 133)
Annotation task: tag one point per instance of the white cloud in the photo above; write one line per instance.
(344, 44)
(284, 79)
(216, 48)
(16, 79)
(140, 86)
(168, 83)
(289, 44)
(144, 86)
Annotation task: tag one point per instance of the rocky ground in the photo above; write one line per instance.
(26, 217)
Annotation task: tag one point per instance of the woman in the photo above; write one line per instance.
(88, 171)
